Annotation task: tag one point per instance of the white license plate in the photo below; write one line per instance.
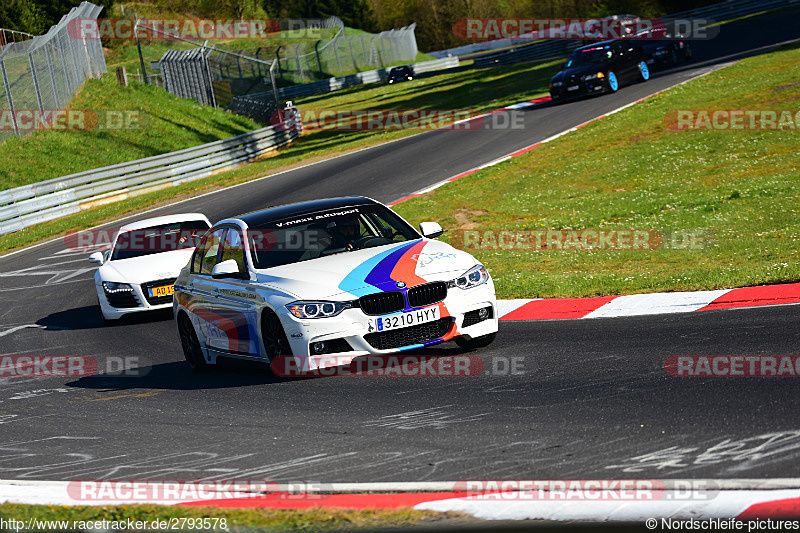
(403, 320)
(573, 88)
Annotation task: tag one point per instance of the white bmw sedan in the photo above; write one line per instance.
(342, 276)
(138, 272)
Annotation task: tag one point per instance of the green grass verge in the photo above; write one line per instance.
(165, 124)
(630, 171)
(315, 519)
(183, 123)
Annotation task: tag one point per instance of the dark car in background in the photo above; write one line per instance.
(666, 52)
(403, 73)
(624, 25)
(600, 68)
(663, 48)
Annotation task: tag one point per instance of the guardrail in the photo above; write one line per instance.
(733, 9)
(557, 48)
(48, 200)
(369, 76)
(534, 52)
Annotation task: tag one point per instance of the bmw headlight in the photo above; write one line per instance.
(593, 76)
(477, 275)
(557, 84)
(111, 287)
(317, 309)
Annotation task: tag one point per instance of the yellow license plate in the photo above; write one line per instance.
(165, 290)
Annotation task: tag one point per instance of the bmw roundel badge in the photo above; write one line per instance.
(400, 284)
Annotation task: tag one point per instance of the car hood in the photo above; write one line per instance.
(351, 275)
(580, 71)
(145, 268)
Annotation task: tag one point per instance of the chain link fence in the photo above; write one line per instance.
(344, 54)
(42, 74)
(224, 77)
(219, 78)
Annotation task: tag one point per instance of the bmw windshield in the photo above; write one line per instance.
(591, 56)
(322, 233)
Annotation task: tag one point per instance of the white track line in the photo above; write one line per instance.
(657, 303)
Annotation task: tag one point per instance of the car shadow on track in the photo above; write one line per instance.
(89, 317)
(177, 375)
(232, 373)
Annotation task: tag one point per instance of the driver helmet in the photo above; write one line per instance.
(346, 228)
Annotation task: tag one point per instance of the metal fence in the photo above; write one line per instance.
(12, 36)
(345, 54)
(534, 52)
(45, 72)
(226, 78)
(187, 73)
(370, 76)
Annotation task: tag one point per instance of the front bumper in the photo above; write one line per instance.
(581, 88)
(352, 327)
(138, 302)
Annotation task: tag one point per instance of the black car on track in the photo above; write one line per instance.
(600, 68)
(665, 52)
(403, 73)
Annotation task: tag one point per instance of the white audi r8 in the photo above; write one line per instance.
(342, 276)
(138, 272)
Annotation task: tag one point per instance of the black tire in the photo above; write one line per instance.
(475, 342)
(191, 345)
(274, 337)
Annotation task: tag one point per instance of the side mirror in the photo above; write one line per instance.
(226, 269)
(97, 258)
(430, 230)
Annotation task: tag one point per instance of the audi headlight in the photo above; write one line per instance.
(317, 309)
(477, 275)
(557, 84)
(111, 287)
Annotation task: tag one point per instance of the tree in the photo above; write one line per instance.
(23, 15)
(55, 9)
(354, 13)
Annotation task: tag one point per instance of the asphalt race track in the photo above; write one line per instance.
(589, 398)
